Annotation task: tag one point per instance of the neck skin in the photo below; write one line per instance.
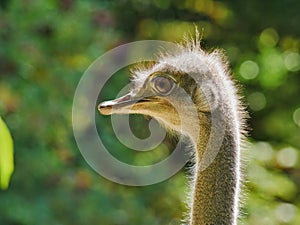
(215, 191)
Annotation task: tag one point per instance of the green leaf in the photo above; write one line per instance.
(6, 155)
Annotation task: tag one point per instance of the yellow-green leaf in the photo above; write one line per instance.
(6, 155)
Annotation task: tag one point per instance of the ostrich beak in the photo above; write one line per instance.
(123, 104)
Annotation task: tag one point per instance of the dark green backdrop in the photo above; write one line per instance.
(45, 46)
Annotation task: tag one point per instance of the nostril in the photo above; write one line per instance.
(124, 98)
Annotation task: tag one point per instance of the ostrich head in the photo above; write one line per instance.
(180, 91)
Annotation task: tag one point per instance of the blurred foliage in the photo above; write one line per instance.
(45, 46)
(6, 155)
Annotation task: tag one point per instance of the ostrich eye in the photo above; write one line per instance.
(163, 85)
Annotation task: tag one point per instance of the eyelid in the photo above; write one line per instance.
(166, 75)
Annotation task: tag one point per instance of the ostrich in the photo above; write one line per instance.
(207, 85)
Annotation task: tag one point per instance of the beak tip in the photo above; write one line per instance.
(118, 105)
(104, 108)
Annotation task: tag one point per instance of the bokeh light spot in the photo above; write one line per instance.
(257, 101)
(263, 151)
(249, 69)
(285, 212)
(269, 37)
(292, 61)
(287, 157)
(296, 116)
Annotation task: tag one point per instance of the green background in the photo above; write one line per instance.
(45, 47)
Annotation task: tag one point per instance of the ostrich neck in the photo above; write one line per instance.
(216, 187)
